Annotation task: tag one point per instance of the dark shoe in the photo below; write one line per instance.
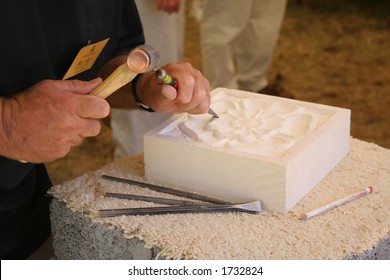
(276, 88)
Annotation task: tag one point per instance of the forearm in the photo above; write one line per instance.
(4, 129)
(10, 141)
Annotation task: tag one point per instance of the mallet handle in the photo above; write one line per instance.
(121, 76)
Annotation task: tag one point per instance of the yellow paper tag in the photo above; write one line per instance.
(85, 58)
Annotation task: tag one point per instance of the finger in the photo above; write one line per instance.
(200, 98)
(169, 92)
(197, 107)
(201, 108)
(88, 128)
(185, 90)
(202, 95)
(78, 86)
(92, 107)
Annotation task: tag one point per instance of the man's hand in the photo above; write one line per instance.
(47, 120)
(192, 94)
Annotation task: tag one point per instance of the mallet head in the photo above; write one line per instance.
(143, 59)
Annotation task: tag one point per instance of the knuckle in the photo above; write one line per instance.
(189, 80)
(75, 83)
(44, 86)
(68, 124)
(187, 65)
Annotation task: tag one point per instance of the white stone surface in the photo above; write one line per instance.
(261, 148)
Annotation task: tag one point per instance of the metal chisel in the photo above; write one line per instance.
(162, 189)
(250, 207)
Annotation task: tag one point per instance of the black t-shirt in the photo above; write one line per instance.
(39, 40)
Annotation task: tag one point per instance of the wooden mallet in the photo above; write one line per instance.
(142, 59)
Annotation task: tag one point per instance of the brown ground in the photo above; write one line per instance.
(330, 52)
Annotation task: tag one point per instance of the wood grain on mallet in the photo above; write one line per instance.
(120, 77)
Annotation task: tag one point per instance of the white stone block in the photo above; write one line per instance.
(261, 148)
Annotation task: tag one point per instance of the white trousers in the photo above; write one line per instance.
(165, 32)
(238, 38)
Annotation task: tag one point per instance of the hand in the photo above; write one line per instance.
(192, 94)
(169, 6)
(47, 120)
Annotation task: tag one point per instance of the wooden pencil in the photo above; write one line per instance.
(336, 203)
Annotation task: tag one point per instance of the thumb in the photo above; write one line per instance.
(80, 87)
(169, 92)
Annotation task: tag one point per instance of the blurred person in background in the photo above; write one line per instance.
(163, 22)
(238, 39)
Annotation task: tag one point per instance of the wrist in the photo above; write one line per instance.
(137, 99)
